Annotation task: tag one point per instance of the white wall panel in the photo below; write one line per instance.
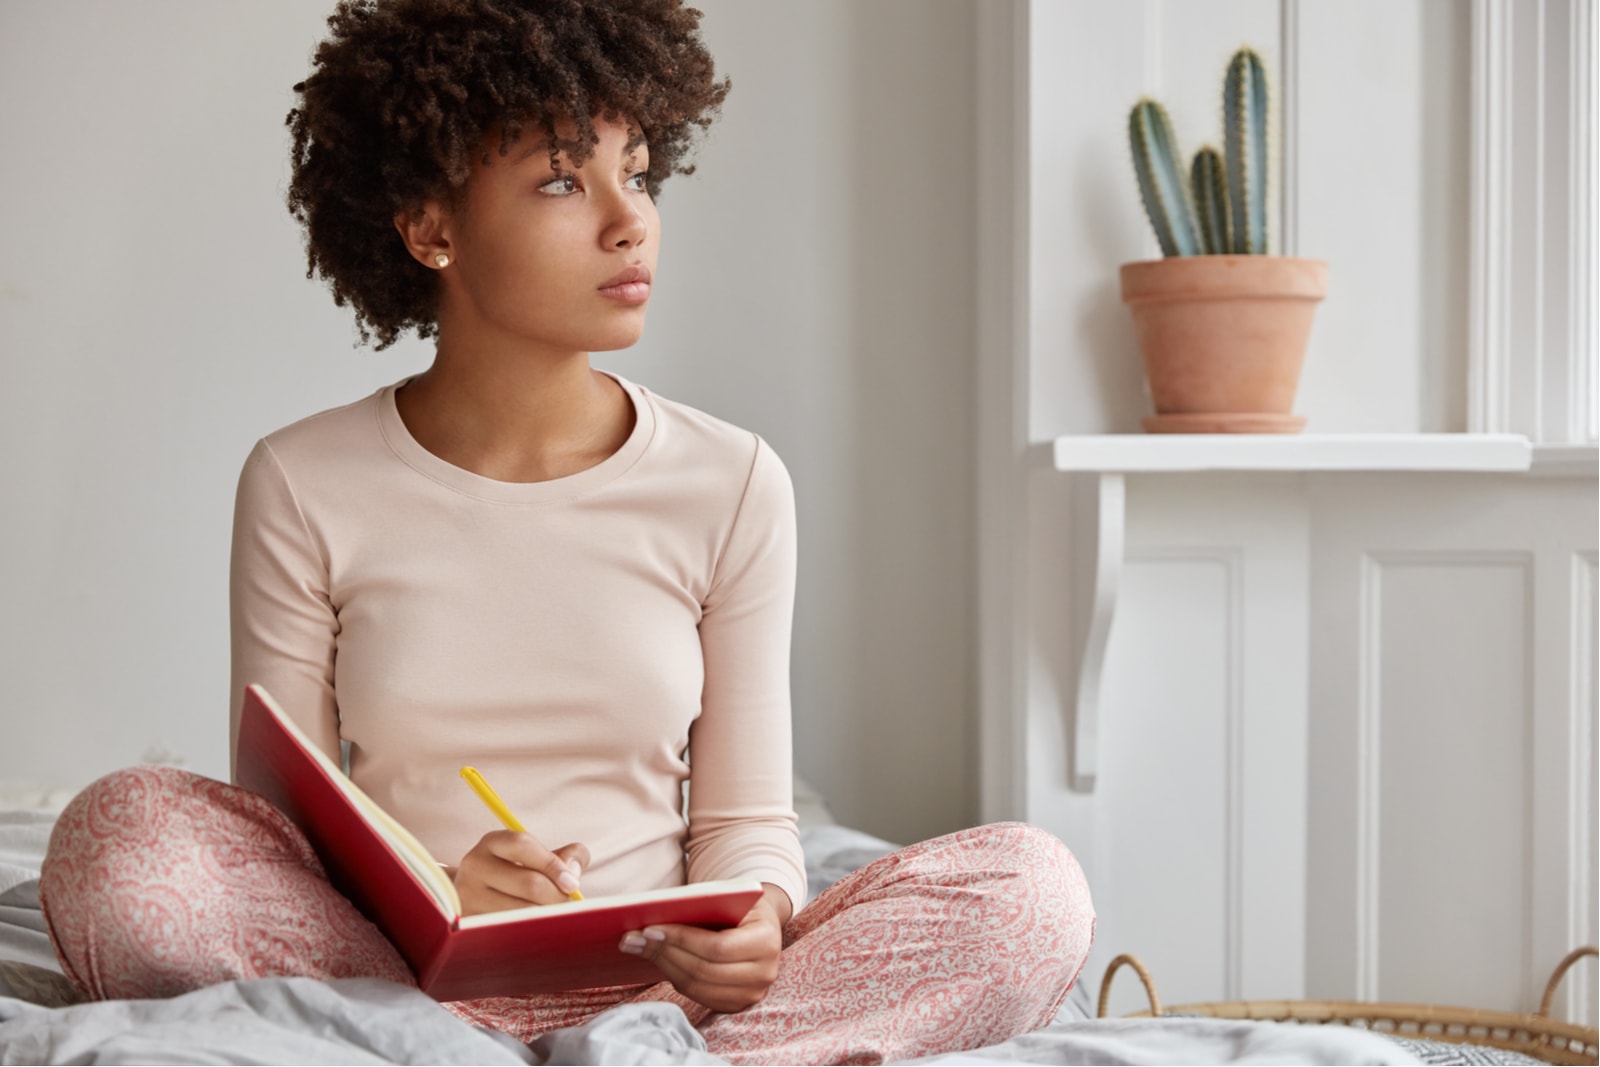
(1379, 130)
(1449, 849)
(1446, 646)
(1198, 812)
(1562, 831)
(1170, 858)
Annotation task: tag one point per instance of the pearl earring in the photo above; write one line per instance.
(442, 260)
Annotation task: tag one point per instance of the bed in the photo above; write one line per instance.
(295, 1020)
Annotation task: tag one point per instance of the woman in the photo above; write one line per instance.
(516, 561)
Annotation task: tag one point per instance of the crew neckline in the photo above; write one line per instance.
(411, 452)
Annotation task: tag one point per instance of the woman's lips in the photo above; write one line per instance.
(628, 292)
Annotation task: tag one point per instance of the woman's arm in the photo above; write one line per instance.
(741, 789)
(741, 774)
(282, 620)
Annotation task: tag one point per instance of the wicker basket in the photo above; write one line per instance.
(1537, 1035)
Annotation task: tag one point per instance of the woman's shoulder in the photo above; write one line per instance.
(685, 433)
(329, 447)
(716, 469)
(344, 425)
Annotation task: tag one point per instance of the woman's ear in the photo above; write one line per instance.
(425, 234)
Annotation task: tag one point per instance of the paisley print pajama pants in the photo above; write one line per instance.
(159, 881)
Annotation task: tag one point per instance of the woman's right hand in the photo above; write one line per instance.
(506, 869)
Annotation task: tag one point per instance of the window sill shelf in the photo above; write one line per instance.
(1440, 452)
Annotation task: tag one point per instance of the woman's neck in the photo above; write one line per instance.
(528, 420)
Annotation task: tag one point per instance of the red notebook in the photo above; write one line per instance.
(385, 872)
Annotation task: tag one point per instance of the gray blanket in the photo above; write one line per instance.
(298, 1020)
(363, 1020)
(272, 1020)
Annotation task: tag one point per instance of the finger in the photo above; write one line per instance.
(681, 965)
(516, 846)
(734, 945)
(706, 956)
(525, 850)
(685, 968)
(578, 853)
(515, 880)
(720, 987)
(485, 882)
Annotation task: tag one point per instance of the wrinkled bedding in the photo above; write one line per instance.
(363, 1020)
(298, 1020)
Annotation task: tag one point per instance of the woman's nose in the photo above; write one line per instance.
(627, 226)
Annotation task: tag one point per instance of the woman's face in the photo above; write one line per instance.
(532, 247)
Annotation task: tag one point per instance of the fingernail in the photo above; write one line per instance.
(574, 867)
(653, 934)
(632, 943)
(567, 883)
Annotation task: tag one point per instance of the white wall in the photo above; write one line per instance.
(1261, 805)
(815, 285)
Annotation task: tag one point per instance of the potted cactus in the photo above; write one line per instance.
(1222, 325)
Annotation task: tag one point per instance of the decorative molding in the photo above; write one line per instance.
(1532, 335)
(1368, 784)
(1099, 504)
(1289, 123)
(1530, 627)
(1488, 336)
(1581, 206)
(1233, 934)
(1537, 231)
(1002, 388)
(1583, 689)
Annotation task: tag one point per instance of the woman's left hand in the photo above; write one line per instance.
(726, 970)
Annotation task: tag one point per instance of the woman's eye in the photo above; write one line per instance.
(640, 178)
(560, 187)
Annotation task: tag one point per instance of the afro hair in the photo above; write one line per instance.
(403, 94)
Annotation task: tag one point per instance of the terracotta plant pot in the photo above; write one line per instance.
(1223, 339)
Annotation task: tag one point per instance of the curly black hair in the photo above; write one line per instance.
(404, 92)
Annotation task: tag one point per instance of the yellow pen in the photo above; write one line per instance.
(498, 806)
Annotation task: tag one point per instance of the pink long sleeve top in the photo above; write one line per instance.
(583, 641)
